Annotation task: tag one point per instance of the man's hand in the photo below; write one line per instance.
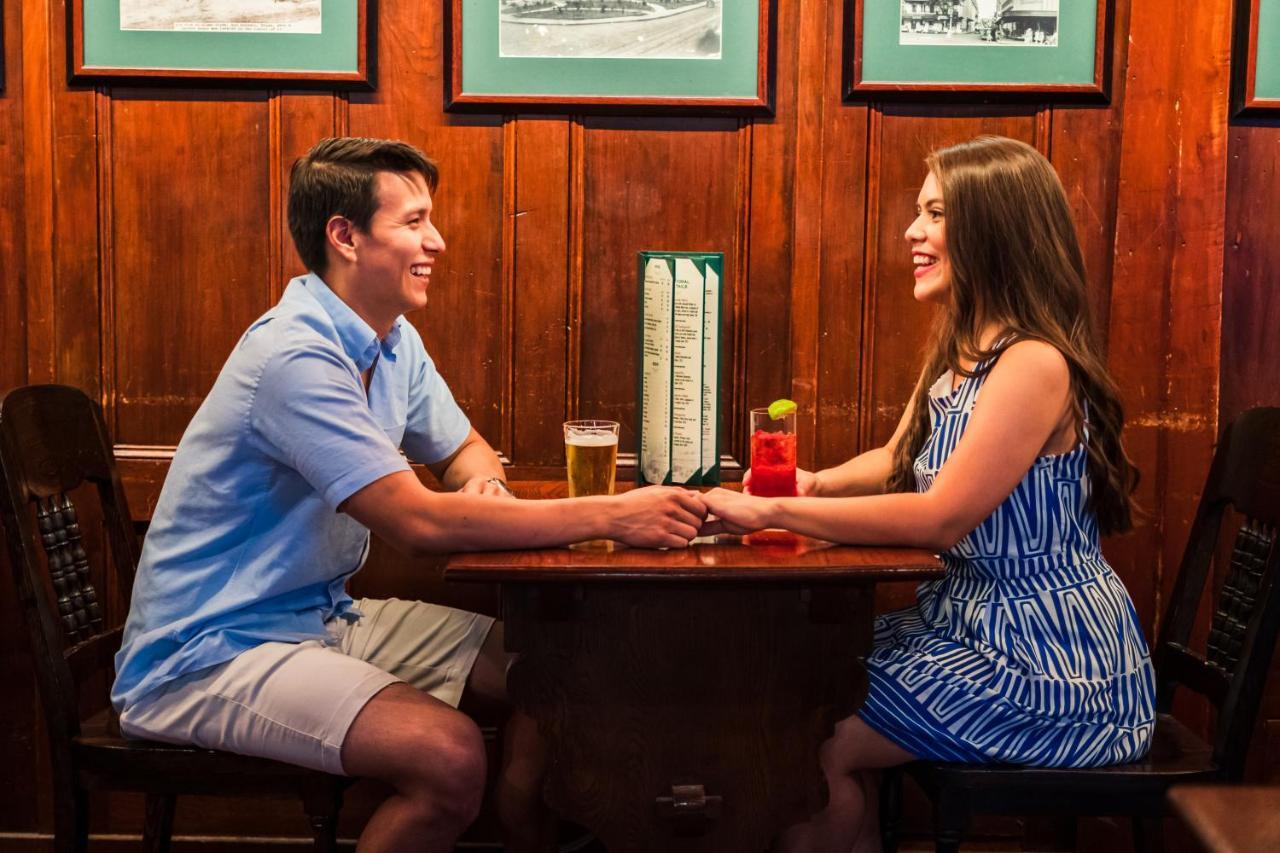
(483, 484)
(735, 513)
(657, 517)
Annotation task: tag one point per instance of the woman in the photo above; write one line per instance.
(1007, 460)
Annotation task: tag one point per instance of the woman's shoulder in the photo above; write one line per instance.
(1029, 369)
(1034, 360)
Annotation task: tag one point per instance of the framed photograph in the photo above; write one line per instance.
(1256, 78)
(610, 56)
(1058, 49)
(324, 43)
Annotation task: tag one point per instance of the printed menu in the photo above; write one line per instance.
(678, 416)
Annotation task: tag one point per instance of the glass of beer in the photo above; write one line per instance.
(591, 457)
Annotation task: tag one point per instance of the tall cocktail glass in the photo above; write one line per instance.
(773, 468)
(773, 454)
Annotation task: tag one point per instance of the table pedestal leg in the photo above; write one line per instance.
(686, 717)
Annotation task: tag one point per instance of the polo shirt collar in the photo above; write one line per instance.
(359, 340)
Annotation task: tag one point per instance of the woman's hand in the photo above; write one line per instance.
(806, 483)
(735, 513)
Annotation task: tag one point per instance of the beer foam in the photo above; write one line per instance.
(591, 439)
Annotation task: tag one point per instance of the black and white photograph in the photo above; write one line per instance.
(979, 23)
(631, 29)
(248, 16)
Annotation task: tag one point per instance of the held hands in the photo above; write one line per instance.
(657, 517)
(740, 514)
(735, 513)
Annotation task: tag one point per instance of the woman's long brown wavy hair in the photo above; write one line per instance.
(1016, 263)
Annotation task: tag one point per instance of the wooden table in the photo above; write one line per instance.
(1230, 818)
(684, 694)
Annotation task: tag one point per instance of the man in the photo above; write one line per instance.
(240, 634)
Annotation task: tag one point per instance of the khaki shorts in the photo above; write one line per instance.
(294, 702)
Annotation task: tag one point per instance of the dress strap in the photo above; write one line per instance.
(997, 345)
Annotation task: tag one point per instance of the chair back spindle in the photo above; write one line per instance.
(68, 567)
(1239, 596)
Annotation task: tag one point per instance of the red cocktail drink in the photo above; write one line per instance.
(773, 464)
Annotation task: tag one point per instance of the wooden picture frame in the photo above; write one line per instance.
(316, 44)
(1255, 75)
(509, 55)
(1035, 50)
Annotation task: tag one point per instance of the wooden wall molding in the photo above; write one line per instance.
(38, 153)
(13, 190)
(106, 261)
(577, 192)
(733, 435)
(811, 102)
(870, 261)
(276, 193)
(1044, 130)
(505, 438)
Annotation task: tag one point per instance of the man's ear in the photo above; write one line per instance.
(340, 233)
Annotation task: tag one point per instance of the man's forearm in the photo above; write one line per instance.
(415, 520)
(470, 522)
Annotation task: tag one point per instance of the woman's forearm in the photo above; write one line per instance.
(864, 474)
(906, 518)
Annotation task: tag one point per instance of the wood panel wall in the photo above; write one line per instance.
(141, 230)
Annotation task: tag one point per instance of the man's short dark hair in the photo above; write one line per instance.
(337, 178)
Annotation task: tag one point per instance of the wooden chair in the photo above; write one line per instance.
(53, 440)
(1245, 475)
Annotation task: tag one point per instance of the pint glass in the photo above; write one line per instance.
(591, 456)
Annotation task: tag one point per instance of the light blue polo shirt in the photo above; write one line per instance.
(246, 545)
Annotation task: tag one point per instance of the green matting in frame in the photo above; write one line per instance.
(678, 368)
(966, 61)
(705, 55)
(334, 54)
(1267, 76)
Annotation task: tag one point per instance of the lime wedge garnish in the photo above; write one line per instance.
(781, 408)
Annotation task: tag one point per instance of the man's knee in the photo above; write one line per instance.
(454, 768)
(441, 765)
(430, 753)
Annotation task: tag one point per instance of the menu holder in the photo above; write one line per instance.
(678, 417)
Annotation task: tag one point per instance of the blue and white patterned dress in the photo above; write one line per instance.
(1028, 651)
